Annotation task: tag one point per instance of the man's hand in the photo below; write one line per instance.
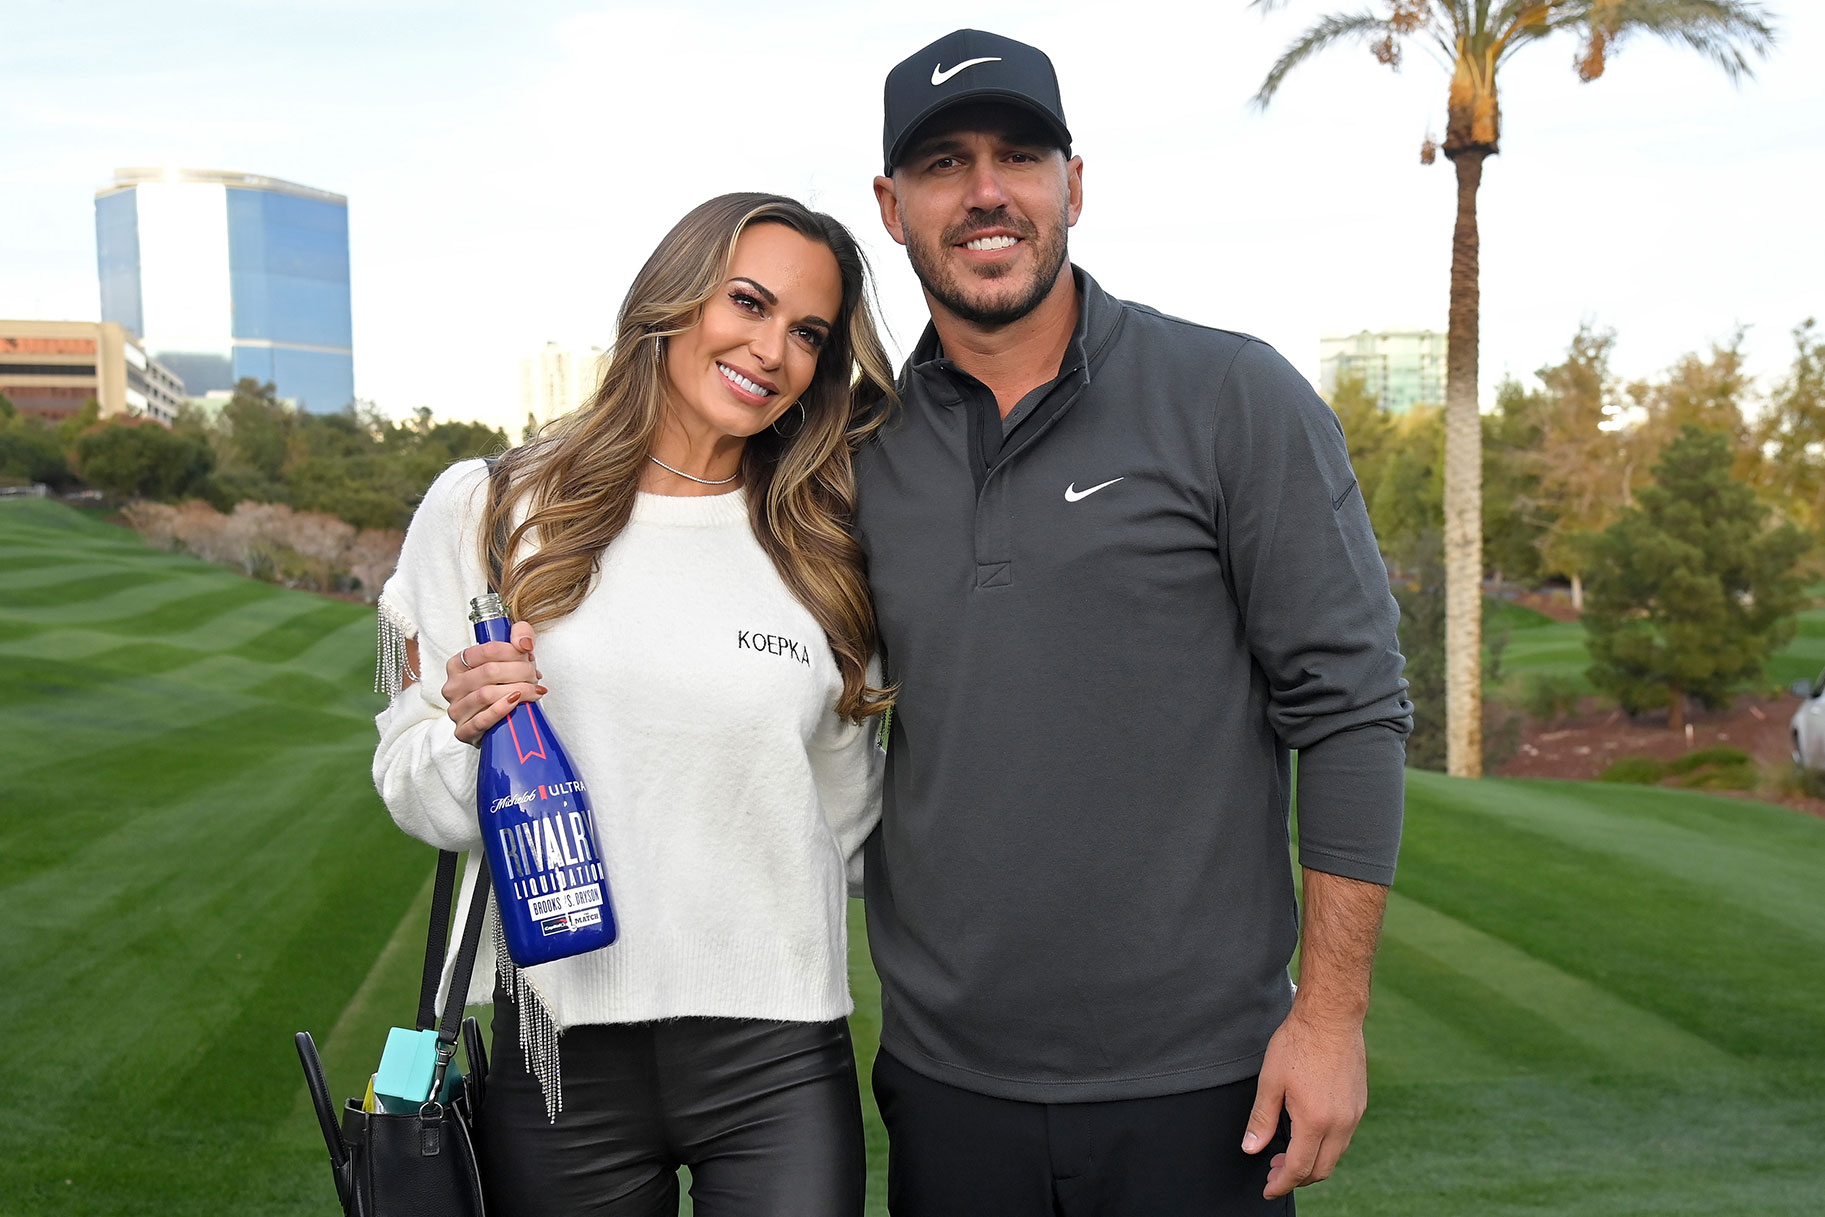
(1320, 1072)
(1316, 1066)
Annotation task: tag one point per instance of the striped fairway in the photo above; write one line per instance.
(1595, 1000)
(193, 865)
(1591, 999)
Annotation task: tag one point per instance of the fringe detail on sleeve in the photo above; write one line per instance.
(391, 666)
(538, 1033)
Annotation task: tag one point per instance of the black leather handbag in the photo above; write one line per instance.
(421, 1163)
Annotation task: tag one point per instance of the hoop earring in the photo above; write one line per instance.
(795, 430)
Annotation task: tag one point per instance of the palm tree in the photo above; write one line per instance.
(1474, 38)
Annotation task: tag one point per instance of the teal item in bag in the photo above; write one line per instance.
(403, 1082)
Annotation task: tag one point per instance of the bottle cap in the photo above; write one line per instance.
(487, 608)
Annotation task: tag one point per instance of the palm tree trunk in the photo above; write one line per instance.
(1464, 489)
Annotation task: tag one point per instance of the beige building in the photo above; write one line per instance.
(556, 381)
(49, 369)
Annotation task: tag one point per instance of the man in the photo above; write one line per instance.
(1122, 568)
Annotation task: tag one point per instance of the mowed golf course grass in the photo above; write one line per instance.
(193, 866)
(1535, 646)
(1590, 999)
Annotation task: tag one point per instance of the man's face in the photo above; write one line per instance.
(982, 202)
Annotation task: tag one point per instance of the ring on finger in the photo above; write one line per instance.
(464, 656)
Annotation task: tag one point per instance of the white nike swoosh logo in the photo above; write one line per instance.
(940, 74)
(1072, 493)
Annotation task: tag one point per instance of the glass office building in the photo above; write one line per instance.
(229, 275)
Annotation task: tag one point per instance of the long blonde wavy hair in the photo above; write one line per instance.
(575, 482)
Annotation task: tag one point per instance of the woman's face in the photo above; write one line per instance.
(756, 347)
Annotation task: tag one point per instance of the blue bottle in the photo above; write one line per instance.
(550, 885)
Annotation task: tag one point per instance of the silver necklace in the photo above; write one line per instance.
(691, 477)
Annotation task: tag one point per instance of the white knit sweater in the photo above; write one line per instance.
(696, 695)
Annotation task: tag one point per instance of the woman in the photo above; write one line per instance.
(679, 547)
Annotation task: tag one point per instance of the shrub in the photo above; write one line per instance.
(1792, 780)
(203, 531)
(1502, 725)
(1640, 770)
(156, 522)
(372, 558)
(29, 452)
(1708, 757)
(1550, 696)
(1706, 769)
(1715, 769)
(141, 459)
(271, 541)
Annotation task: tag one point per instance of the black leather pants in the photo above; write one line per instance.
(767, 1115)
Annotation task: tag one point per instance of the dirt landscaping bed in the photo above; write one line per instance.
(1581, 748)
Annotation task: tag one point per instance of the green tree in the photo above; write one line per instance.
(352, 463)
(257, 429)
(1791, 431)
(1476, 37)
(1586, 465)
(8, 411)
(1422, 641)
(1703, 391)
(1406, 502)
(1690, 590)
(29, 452)
(143, 460)
(464, 441)
(1515, 512)
(69, 429)
(1365, 427)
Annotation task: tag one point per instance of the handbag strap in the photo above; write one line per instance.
(466, 948)
(465, 960)
(442, 897)
(459, 983)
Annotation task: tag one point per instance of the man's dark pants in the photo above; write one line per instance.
(956, 1153)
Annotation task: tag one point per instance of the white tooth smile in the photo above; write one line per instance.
(986, 243)
(742, 382)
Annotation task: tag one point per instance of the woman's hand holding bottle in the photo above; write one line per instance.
(487, 679)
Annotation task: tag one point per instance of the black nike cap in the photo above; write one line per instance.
(969, 65)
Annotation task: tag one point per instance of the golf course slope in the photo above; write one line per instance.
(193, 866)
(1595, 999)
(1591, 999)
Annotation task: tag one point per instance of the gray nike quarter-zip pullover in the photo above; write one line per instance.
(1110, 629)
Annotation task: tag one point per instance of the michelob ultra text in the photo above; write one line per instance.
(549, 881)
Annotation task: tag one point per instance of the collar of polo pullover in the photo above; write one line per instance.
(1098, 316)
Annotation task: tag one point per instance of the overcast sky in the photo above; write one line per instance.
(508, 166)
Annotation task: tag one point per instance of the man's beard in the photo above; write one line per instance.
(942, 281)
